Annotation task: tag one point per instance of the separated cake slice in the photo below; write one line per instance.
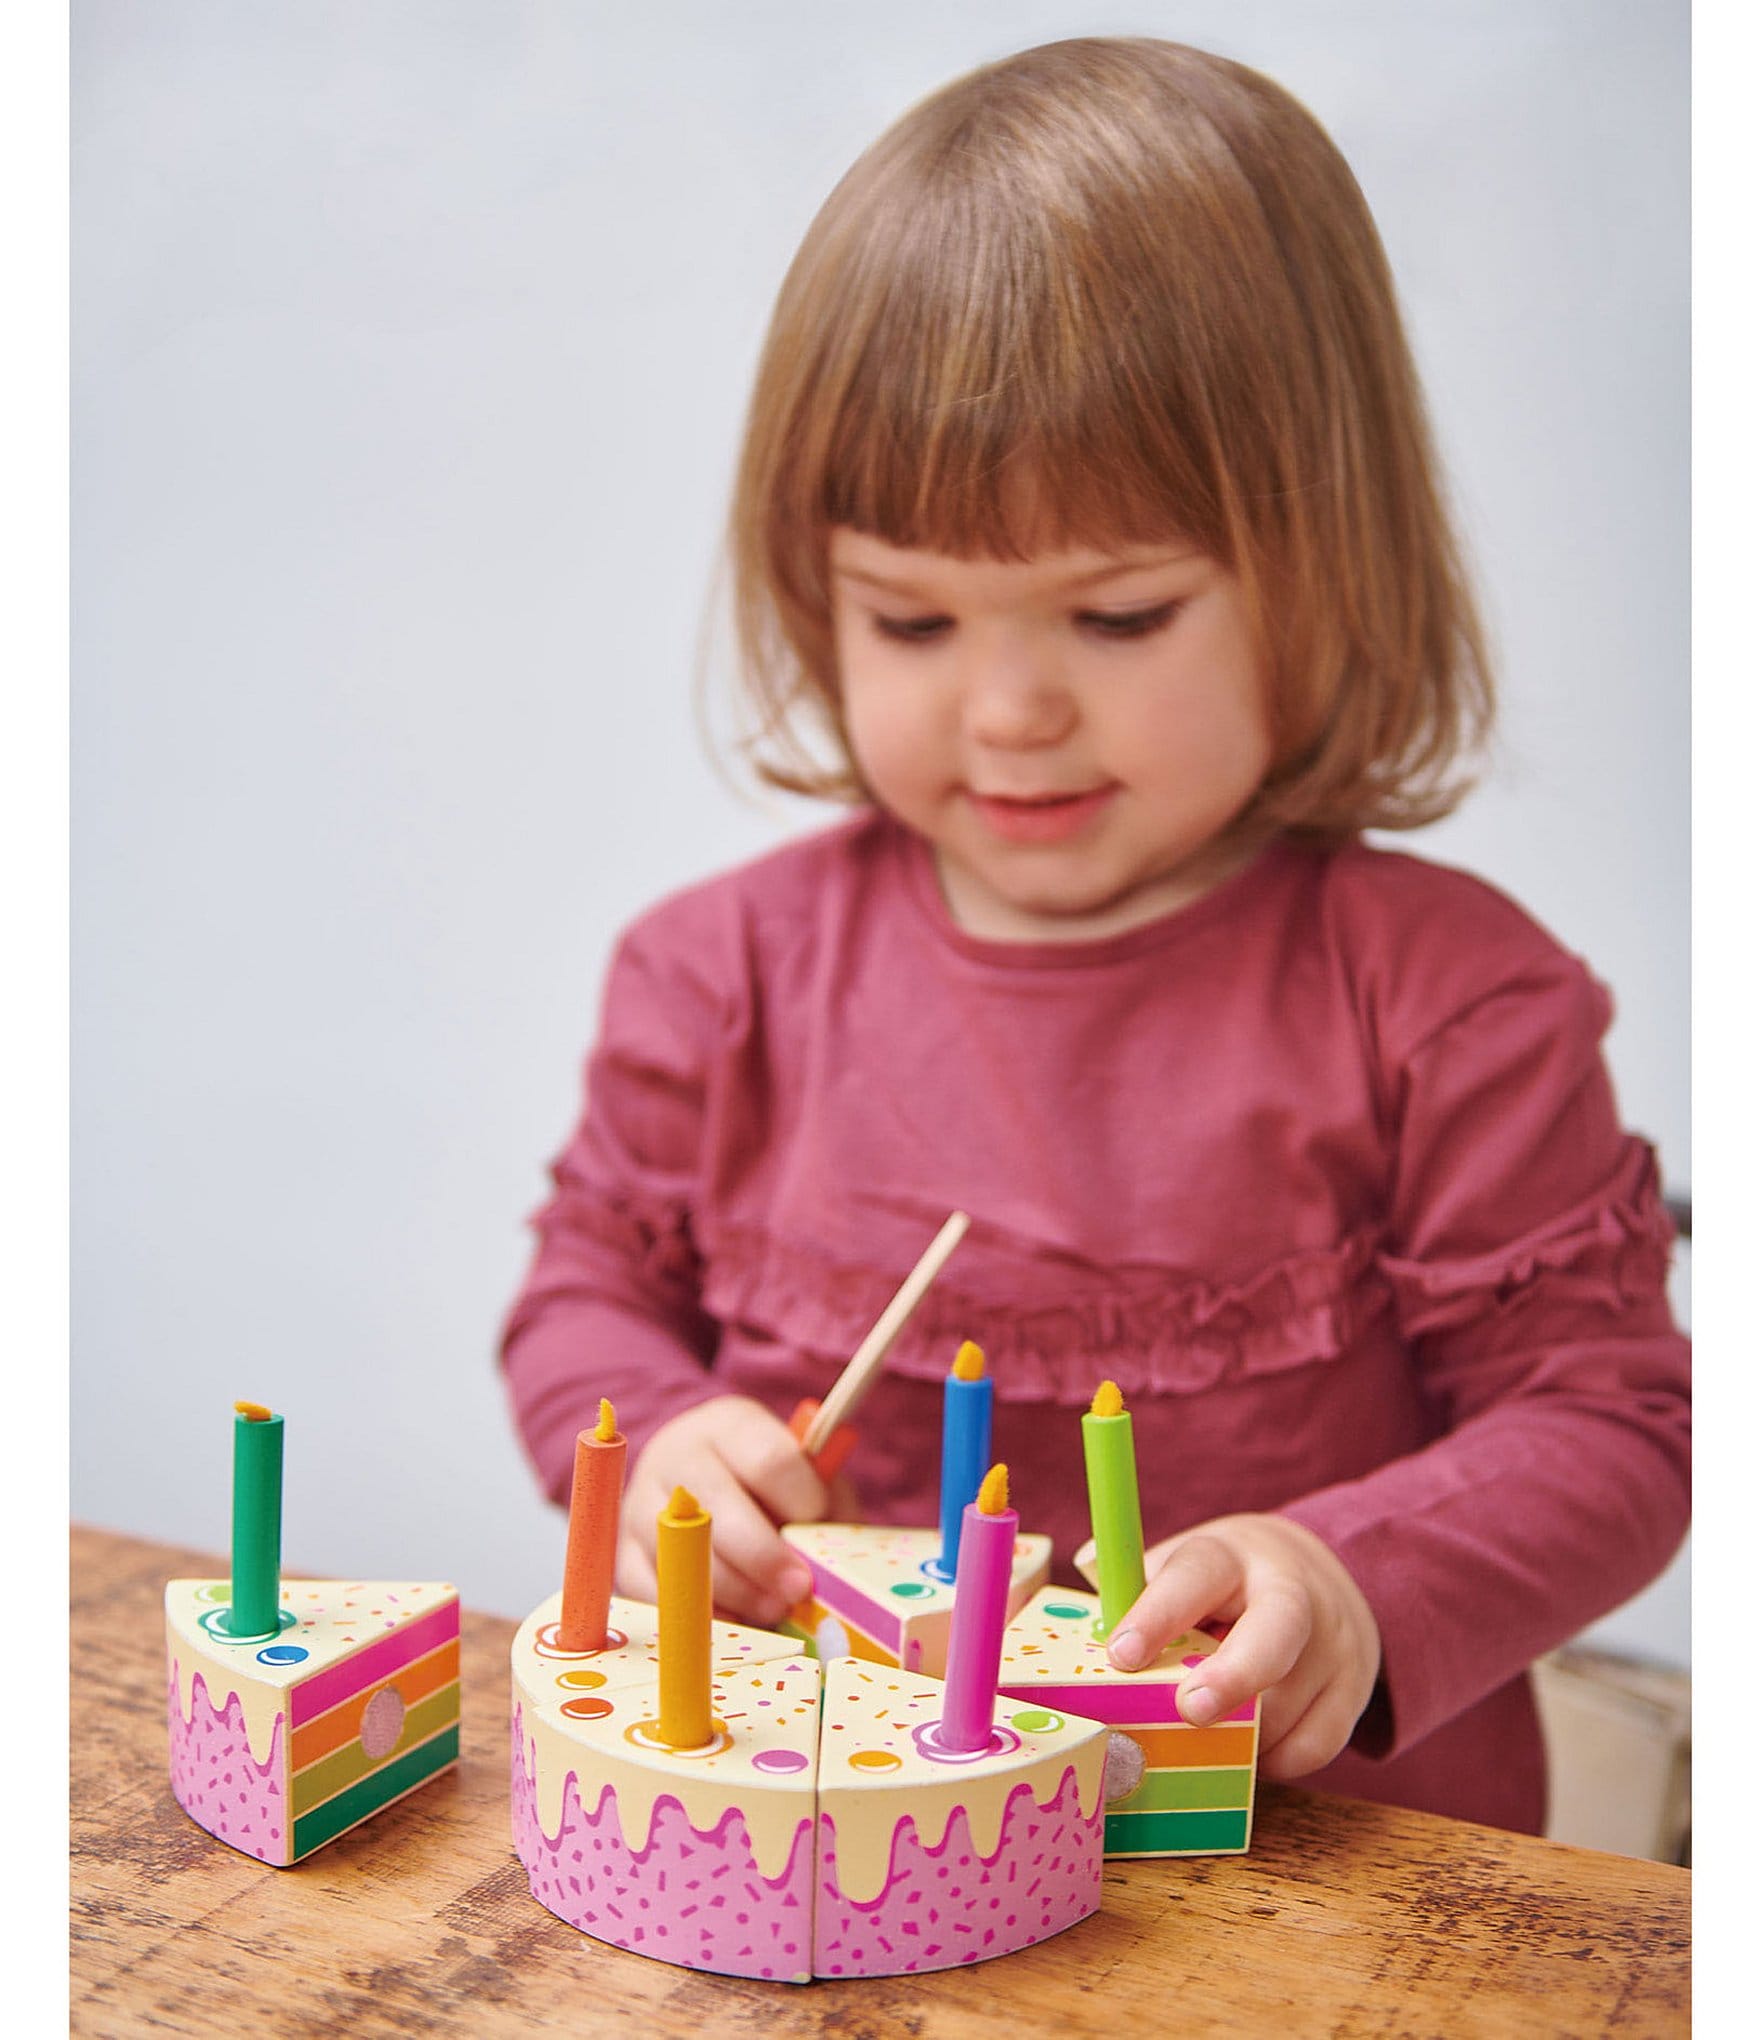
(279, 1744)
(1180, 1790)
(883, 1587)
(927, 1860)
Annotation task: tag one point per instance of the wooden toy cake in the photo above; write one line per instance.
(298, 1708)
(933, 1792)
(705, 1794)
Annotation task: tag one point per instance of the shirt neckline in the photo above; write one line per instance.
(1176, 926)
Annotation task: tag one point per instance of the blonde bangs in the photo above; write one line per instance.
(995, 403)
(1100, 294)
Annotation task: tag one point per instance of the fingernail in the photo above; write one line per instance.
(1198, 1705)
(1128, 1651)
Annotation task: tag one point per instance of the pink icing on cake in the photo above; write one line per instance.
(216, 1779)
(694, 1899)
(947, 1905)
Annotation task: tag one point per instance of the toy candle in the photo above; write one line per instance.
(965, 1447)
(593, 1508)
(256, 1522)
(681, 1559)
(980, 1613)
(1111, 1455)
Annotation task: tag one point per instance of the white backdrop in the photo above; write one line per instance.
(411, 343)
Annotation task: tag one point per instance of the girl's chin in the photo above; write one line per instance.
(1012, 898)
(1022, 911)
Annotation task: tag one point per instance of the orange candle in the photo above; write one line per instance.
(681, 1559)
(593, 1509)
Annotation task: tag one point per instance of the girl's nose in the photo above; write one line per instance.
(1018, 699)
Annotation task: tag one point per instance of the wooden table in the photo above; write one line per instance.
(1345, 1919)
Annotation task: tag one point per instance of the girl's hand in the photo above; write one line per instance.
(1302, 1634)
(745, 1468)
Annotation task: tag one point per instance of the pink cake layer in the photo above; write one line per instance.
(217, 1781)
(694, 1899)
(947, 1905)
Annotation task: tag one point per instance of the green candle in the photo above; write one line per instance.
(256, 1522)
(1111, 1455)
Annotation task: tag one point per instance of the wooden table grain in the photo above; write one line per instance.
(1345, 1919)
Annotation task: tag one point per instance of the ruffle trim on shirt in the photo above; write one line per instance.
(650, 1235)
(1153, 1331)
(1052, 1331)
(1606, 1256)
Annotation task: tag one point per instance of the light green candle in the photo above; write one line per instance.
(1111, 1455)
(256, 1522)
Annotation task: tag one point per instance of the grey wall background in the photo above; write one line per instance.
(411, 344)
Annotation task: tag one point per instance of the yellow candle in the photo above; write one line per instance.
(681, 1559)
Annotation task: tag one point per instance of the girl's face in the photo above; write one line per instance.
(1070, 733)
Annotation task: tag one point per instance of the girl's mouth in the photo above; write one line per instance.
(1040, 818)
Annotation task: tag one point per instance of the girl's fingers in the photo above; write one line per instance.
(1268, 1637)
(746, 1543)
(1308, 1738)
(770, 1465)
(635, 1571)
(1200, 1577)
(740, 1598)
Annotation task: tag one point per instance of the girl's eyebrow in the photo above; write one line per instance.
(1114, 570)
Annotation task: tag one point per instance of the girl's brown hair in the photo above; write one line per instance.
(1103, 292)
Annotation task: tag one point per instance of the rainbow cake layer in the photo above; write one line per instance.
(820, 1832)
(280, 1745)
(1191, 1792)
(884, 1591)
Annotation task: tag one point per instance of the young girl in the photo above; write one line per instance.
(1088, 538)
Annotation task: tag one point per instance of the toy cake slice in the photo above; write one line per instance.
(699, 1857)
(279, 1744)
(1195, 1794)
(927, 1859)
(884, 1586)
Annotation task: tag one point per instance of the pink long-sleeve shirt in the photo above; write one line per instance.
(1323, 1170)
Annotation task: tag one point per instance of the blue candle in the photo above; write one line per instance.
(965, 1447)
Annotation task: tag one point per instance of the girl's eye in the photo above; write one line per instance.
(1130, 623)
(913, 630)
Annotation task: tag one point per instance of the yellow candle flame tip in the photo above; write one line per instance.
(254, 1412)
(1107, 1401)
(683, 1507)
(968, 1362)
(993, 1491)
(607, 1430)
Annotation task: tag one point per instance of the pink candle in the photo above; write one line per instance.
(980, 1614)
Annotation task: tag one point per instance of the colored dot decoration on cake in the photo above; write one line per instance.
(911, 1590)
(875, 1760)
(587, 1708)
(1064, 1612)
(588, 1680)
(779, 1763)
(1036, 1721)
(283, 1654)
